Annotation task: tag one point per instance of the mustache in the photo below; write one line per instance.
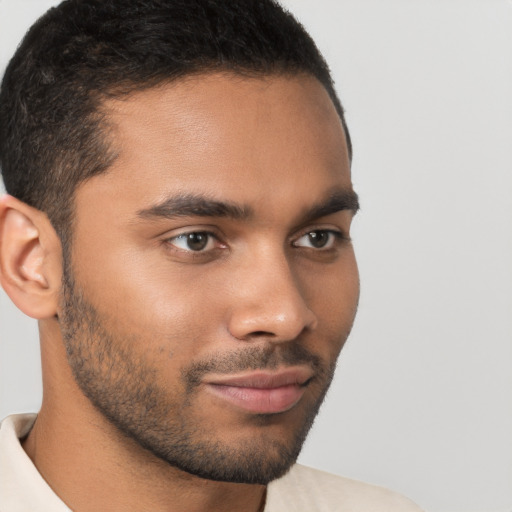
(255, 358)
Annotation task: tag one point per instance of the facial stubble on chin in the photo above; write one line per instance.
(125, 389)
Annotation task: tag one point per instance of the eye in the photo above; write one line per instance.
(195, 241)
(318, 239)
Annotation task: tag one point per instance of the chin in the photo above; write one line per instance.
(265, 452)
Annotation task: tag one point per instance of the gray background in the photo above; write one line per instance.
(423, 398)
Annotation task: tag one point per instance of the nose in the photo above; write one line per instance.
(268, 302)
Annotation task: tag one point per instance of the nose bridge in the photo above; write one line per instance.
(269, 300)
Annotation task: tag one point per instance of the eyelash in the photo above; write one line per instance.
(334, 236)
(187, 238)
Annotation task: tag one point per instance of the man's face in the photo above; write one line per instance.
(212, 282)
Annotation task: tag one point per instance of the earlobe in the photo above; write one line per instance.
(30, 258)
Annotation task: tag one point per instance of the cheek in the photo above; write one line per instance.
(165, 309)
(333, 296)
(332, 289)
(181, 309)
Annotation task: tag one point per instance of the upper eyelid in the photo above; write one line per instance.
(185, 233)
(338, 235)
(220, 236)
(188, 231)
(335, 230)
(168, 241)
(298, 234)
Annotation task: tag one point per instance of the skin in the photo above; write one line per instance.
(275, 148)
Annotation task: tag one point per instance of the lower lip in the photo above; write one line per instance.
(260, 400)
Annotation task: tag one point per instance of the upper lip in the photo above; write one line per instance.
(262, 379)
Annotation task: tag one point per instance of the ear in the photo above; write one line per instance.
(30, 258)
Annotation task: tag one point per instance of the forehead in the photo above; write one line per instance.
(224, 134)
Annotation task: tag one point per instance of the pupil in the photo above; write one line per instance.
(197, 241)
(318, 238)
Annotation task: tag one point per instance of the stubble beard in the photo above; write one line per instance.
(124, 388)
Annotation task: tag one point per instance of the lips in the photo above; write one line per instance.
(262, 392)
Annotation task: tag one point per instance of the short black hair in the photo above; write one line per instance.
(52, 131)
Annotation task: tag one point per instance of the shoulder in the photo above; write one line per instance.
(21, 486)
(308, 489)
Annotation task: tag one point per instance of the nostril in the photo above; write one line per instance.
(262, 333)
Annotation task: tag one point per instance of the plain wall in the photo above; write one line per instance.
(422, 402)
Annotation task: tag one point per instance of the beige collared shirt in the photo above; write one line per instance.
(302, 489)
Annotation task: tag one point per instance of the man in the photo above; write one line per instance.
(178, 221)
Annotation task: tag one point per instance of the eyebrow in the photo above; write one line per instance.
(194, 205)
(339, 200)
